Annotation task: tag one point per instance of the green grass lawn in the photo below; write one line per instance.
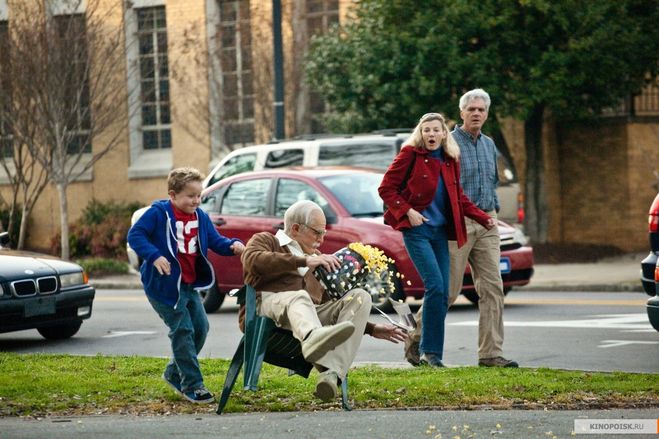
(39, 385)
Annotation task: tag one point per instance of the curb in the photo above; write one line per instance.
(592, 288)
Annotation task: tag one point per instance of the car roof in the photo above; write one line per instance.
(309, 172)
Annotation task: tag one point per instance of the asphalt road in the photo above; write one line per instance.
(566, 330)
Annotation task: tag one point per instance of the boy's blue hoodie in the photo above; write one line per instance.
(153, 235)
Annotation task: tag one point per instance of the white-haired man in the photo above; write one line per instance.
(479, 179)
(280, 268)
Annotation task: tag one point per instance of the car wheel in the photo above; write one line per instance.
(378, 283)
(212, 299)
(60, 332)
(472, 296)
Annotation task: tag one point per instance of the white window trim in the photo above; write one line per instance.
(67, 7)
(4, 10)
(214, 71)
(143, 163)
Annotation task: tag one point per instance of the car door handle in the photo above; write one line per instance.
(278, 226)
(219, 221)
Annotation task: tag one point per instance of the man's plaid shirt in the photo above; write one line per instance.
(478, 169)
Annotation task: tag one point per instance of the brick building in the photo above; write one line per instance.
(205, 82)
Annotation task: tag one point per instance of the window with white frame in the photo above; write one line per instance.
(148, 89)
(237, 92)
(154, 78)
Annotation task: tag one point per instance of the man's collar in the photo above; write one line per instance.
(283, 238)
(461, 130)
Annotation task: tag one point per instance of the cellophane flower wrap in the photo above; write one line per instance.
(357, 262)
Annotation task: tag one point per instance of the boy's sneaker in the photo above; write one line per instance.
(199, 396)
(176, 385)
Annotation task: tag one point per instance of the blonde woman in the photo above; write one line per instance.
(425, 202)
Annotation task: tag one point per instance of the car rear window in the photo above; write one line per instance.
(372, 154)
(358, 193)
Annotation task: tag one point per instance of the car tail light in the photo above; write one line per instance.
(653, 218)
(520, 208)
(656, 274)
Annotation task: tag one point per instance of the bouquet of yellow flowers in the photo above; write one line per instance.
(359, 263)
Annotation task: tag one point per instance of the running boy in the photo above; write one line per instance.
(173, 237)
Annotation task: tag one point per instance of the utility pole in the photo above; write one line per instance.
(279, 70)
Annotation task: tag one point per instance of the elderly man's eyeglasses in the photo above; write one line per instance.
(318, 233)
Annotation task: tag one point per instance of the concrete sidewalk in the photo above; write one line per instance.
(612, 274)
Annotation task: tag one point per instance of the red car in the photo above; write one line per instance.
(253, 202)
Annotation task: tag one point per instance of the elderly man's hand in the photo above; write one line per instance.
(389, 332)
(329, 262)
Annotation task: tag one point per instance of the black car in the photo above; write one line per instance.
(650, 265)
(43, 293)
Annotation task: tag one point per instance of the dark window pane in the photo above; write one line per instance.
(314, 6)
(246, 198)
(163, 68)
(227, 11)
(285, 157)
(248, 88)
(246, 61)
(162, 42)
(228, 36)
(149, 115)
(315, 26)
(150, 139)
(332, 5)
(148, 91)
(146, 67)
(229, 60)
(165, 139)
(248, 107)
(145, 19)
(230, 109)
(161, 20)
(164, 90)
(146, 44)
(165, 116)
(230, 85)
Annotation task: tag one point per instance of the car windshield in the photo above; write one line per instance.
(358, 193)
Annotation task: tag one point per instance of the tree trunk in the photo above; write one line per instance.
(22, 230)
(64, 220)
(537, 215)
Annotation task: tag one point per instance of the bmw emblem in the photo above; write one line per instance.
(29, 272)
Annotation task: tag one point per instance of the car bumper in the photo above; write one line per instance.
(653, 311)
(521, 269)
(32, 312)
(648, 267)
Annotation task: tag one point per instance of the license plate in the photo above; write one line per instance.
(40, 306)
(504, 265)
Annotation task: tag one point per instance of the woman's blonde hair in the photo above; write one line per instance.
(449, 144)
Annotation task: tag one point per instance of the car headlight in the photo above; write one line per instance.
(518, 236)
(73, 279)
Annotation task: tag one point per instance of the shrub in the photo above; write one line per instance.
(4, 221)
(100, 266)
(100, 231)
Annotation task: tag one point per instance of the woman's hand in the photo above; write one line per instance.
(416, 219)
(490, 223)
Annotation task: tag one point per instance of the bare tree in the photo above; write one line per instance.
(68, 87)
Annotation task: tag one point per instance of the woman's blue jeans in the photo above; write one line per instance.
(188, 327)
(428, 248)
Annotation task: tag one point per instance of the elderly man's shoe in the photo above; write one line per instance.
(431, 360)
(327, 386)
(322, 340)
(497, 362)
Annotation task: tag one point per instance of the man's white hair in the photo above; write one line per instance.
(477, 93)
(300, 213)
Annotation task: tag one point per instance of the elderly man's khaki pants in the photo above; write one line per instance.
(296, 312)
(483, 252)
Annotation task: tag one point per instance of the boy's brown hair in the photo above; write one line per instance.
(179, 177)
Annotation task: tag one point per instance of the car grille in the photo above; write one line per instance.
(30, 287)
